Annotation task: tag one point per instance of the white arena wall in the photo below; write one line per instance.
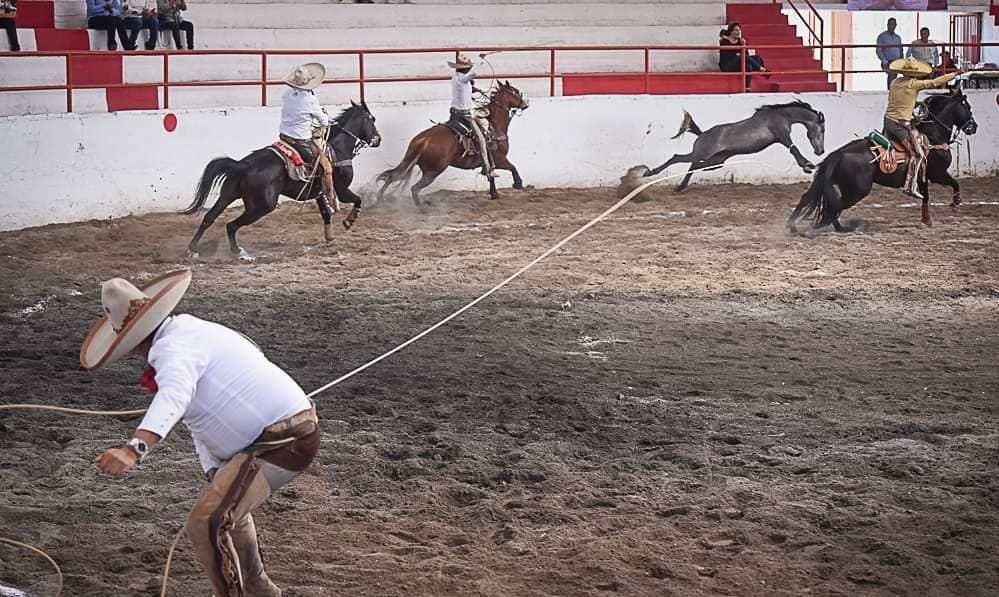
(70, 167)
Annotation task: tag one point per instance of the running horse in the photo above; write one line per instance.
(261, 177)
(849, 173)
(768, 125)
(438, 147)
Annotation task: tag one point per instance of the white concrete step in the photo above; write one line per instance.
(464, 37)
(338, 17)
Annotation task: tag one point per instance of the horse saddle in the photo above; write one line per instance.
(466, 136)
(890, 154)
(297, 168)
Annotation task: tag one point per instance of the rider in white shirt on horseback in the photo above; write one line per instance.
(462, 107)
(300, 112)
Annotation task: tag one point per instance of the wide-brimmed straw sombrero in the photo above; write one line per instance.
(130, 315)
(307, 76)
(910, 67)
(462, 62)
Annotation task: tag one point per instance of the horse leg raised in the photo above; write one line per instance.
(944, 178)
(228, 194)
(803, 162)
(503, 163)
(253, 211)
(676, 159)
(355, 210)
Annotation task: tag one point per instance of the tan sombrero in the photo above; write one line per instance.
(910, 67)
(307, 76)
(130, 315)
(462, 62)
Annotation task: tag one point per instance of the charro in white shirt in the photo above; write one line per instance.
(300, 112)
(461, 90)
(219, 384)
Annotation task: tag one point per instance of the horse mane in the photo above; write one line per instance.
(794, 104)
(344, 115)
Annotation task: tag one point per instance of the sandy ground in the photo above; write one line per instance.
(686, 401)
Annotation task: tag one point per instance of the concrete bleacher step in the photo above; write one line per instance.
(359, 16)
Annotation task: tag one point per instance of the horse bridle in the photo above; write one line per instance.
(359, 143)
(953, 129)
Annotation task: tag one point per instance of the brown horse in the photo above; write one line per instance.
(438, 147)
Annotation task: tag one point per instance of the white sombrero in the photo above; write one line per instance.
(910, 67)
(307, 76)
(130, 315)
(462, 62)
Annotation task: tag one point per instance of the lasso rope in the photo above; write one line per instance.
(610, 210)
(41, 553)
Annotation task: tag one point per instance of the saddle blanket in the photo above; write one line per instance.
(293, 161)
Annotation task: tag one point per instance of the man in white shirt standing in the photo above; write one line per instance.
(253, 428)
(301, 113)
(462, 82)
(925, 49)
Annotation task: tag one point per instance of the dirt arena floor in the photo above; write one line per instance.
(686, 401)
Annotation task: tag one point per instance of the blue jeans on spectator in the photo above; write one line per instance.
(176, 27)
(136, 24)
(891, 76)
(11, 26)
(110, 24)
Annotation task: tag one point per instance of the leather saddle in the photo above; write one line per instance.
(890, 154)
(298, 169)
(466, 136)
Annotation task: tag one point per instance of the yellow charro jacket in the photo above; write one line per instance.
(903, 92)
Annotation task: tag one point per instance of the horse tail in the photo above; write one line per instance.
(215, 172)
(400, 172)
(821, 203)
(688, 124)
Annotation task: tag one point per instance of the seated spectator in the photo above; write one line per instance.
(140, 16)
(172, 20)
(924, 48)
(730, 61)
(8, 20)
(105, 15)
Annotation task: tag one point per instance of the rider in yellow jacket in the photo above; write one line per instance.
(902, 97)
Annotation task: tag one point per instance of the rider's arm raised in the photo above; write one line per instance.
(932, 83)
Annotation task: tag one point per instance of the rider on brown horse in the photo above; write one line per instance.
(300, 111)
(462, 116)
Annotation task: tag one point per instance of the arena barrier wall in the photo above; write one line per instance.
(69, 167)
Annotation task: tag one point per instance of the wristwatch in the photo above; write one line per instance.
(139, 447)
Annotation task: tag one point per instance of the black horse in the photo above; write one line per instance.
(259, 178)
(853, 169)
(768, 125)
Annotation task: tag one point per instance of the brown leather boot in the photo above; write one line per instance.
(256, 583)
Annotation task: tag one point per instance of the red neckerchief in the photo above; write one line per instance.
(148, 380)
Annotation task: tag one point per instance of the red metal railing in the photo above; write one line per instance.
(362, 80)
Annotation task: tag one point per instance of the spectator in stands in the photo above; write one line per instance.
(8, 20)
(172, 20)
(105, 15)
(140, 16)
(730, 61)
(889, 49)
(924, 48)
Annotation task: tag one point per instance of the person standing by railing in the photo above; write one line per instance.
(105, 15)
(889, 49)
(924, 48)
(172, 20)
(8, 20)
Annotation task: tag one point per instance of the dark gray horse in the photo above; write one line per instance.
(768, 125)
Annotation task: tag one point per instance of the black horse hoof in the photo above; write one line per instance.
(518, 185)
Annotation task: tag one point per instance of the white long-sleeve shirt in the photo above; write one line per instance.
(299, 110)
(461, 90)
(219, 384)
